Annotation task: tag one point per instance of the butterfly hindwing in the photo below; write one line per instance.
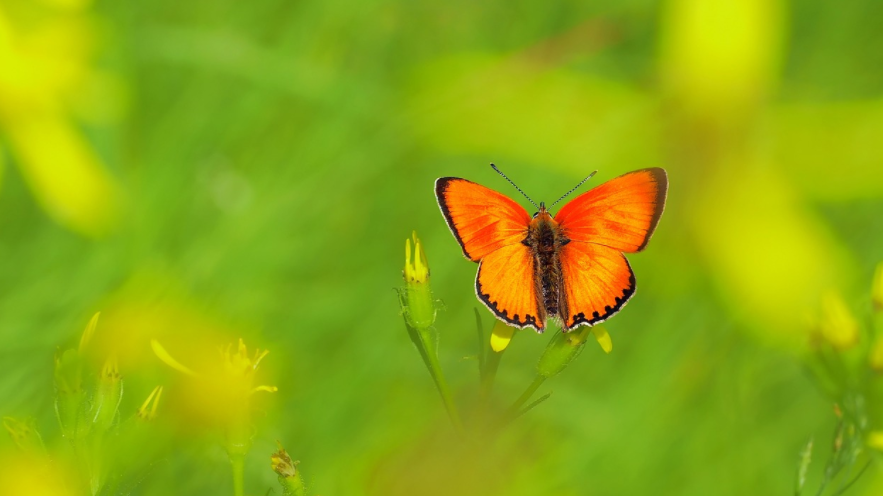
(597, 282)
(505, 284)
(481, 219)
(621, 213)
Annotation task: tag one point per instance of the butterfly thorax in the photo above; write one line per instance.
(545, 239)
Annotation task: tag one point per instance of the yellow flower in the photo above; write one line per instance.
(46, 70)
(220, 396)
(237, 367)
(838, 327)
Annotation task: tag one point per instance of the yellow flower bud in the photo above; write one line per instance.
(418, 306)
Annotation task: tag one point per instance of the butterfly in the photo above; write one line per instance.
(571, 266)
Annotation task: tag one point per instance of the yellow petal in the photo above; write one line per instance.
(500, 336)
(603, 338)
(90, 330)
(266, 389)
(63, 171)
(722, 55)
(151, 414)
(163, 355)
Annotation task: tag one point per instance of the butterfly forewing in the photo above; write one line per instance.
(490, 228)
(621, 213)
(481, 219)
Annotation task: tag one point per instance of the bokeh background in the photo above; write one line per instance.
(209, 170)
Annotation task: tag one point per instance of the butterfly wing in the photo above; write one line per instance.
(505, 284)
(597, 283)
(490, 228)
(621, 213)
(481, 219)
(617, 216)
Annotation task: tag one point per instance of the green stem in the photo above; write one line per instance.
(525, 396)
(441, 384)
(237, 463)
(491, 364)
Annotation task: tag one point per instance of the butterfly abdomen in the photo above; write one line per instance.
(545, 240)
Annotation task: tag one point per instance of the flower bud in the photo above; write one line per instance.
(108, 394)
(418, 306)
(24, 434)
(289, 476)
(561, 350)
(71, 405)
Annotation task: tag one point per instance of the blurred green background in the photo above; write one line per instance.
(209, 170)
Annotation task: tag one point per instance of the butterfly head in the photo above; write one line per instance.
(541, 211)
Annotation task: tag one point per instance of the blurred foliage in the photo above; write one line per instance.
(207, 171)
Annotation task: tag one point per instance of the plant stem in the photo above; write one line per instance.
(525, 396)
(489, 375)
(441, 384)
(237, 463)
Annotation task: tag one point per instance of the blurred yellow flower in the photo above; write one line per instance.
(875, 440)
(46, 69)
(238, 367)
(220, 394)
(33, 476)
(838, 326)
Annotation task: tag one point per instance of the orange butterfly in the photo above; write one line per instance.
(570, 266)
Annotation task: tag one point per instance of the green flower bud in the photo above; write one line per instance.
(24, 434)
(108, 394)
(71, 402)
(418, 306)
(561, 350)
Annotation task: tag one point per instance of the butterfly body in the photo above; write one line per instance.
(570, 266)
(544, 238)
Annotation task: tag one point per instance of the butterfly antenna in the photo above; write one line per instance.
(516, 187)
(574, 188)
